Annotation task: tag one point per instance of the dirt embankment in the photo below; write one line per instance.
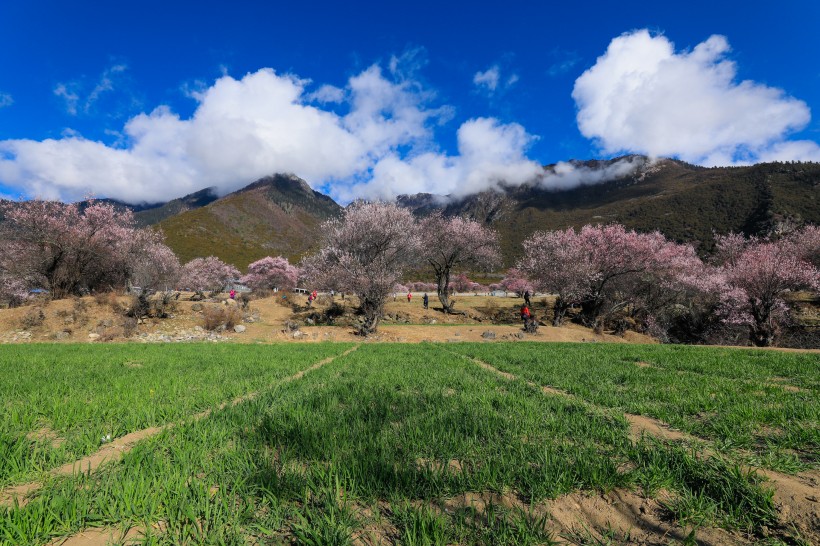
(272, 319)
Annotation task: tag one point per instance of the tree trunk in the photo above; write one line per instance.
(559, 311)
(372, 315)
(762, 332)
(443, 288)
(591, 312)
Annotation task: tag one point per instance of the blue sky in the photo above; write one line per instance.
(149, 100)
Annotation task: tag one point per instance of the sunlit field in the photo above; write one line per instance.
(431, 443)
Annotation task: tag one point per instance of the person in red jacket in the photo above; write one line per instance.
(409, 297)
(525, 313)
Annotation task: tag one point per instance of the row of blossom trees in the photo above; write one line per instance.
(609, 270)
(603, 271)
(70, 249)
(369, 249)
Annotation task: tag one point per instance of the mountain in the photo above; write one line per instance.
(684, 202)
(276, 215)
(147, 216)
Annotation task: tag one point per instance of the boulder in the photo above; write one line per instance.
(239, 328)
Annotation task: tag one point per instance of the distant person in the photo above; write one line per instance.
(409, 297)
(425, 300)
(310, 300)
(525, 313)
(332, 293)
(232, 294)
(527, 298)
(315, 295)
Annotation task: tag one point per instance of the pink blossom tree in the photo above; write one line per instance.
(366, 252)
(461, 283)
(606, 269)
(269, 273)
(68, 248)
(516, 281)
(805, 244)
(13, 291)
(207, 274)
(457, 243)
(756, 282)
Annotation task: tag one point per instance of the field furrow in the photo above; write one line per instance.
(404, 444)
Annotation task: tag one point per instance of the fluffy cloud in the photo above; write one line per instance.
(5, 100)
(265, 123)
(565, 175)
(643, 96)
(489, 153)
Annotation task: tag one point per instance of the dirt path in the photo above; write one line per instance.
(796, 497)
(118, 447)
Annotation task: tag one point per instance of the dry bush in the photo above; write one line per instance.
(109, 299)
(160, 306)
(129, 326)
(110, 334)
(79, 312)
(221, 317)
(34, 317)
(259, 294)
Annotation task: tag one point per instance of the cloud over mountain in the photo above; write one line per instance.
(642, 96)
(379, 145)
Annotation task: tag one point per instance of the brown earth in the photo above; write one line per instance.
(86, 320)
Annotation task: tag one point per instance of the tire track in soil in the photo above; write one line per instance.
(796, 497)
(118, 447)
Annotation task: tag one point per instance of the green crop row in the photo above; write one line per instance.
(377, 443)
(61, 402)
(769, 407)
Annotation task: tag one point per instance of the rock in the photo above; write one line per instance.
(291, 326)
(196, 307)
(520, 335)
(93, 336)
(239, 328)
(433, 321)
(488, 335)
(297, 334)
(61, 335)
(310, 321)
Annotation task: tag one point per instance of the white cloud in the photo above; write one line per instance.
(491, 81)
(643, 96)
(69, 94)
(488, 79)
(265, 123)
(489, 153)
(328, 94)
(565, 175)
(73, 92)
(6, 100)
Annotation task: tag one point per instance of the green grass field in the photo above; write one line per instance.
(379, 441)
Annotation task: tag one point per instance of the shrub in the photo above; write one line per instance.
(221, 317)
(33, 318)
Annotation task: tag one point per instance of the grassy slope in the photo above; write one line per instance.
(269, 218)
